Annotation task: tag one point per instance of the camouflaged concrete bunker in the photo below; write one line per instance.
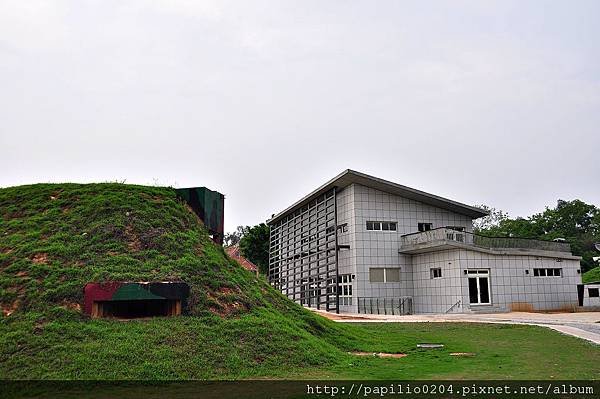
(209, 206)
(129, 300)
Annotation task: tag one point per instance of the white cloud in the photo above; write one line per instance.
(33, 24)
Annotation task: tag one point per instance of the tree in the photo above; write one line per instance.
(234, 238)
(254, 246)
(575, 221)
(493, 219)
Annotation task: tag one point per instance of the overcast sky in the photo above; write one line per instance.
(494, 102)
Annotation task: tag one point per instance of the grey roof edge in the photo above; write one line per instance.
(307, 198)
(350, 176)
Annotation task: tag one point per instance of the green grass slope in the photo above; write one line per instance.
(591, 276)
(54, 238)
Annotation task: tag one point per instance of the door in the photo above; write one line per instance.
(479, 287)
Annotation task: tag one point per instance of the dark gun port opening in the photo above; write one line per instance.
(135, 300)
(135, 309)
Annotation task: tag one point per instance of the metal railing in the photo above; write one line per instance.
(457, 304)
(386, 306)
(444, 234)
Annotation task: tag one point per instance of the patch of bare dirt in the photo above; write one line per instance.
(70, 305)
(22, 273)
(380, 354)
(229, 291)
(41, 258)
(133, 241)
(334, 316)
(8, 309)
(222, 306)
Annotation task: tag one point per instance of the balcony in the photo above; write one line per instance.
(446, 238)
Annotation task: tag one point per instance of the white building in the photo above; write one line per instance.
(361, 244)
(589, 294)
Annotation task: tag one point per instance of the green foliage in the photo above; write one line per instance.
(254, 246)
(575, 221)
(234, 238)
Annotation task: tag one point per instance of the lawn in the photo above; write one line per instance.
(501, 352)
(263, 345)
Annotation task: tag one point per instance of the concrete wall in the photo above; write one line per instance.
(380, 248)
(438, 295)
(587, 301)
(513, 289)
(510, 286)
(347, 257)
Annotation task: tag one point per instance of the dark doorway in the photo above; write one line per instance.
(479, 287)
(134, 309)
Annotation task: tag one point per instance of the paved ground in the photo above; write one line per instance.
(585, 325)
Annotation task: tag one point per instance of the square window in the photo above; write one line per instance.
(369, 225)
(558, 272)
(392, 275)
(594, 292)
(436, 272)
(393, 226)
(425, 226)
(376, 225)
(385, 226)
(376, 275)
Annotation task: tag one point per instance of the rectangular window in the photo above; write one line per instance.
(425, 226)
(557, 272)
(594, 292)
(343, 228)
(384, 275)
(456, 228)
(376, 275)
(436, 272)
(392, 275)
(345, 289)
(382, 226)
(547, 272)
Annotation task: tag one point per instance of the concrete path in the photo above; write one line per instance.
(584, 325)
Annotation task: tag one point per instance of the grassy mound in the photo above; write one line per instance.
(55, 238)
(591, 276)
